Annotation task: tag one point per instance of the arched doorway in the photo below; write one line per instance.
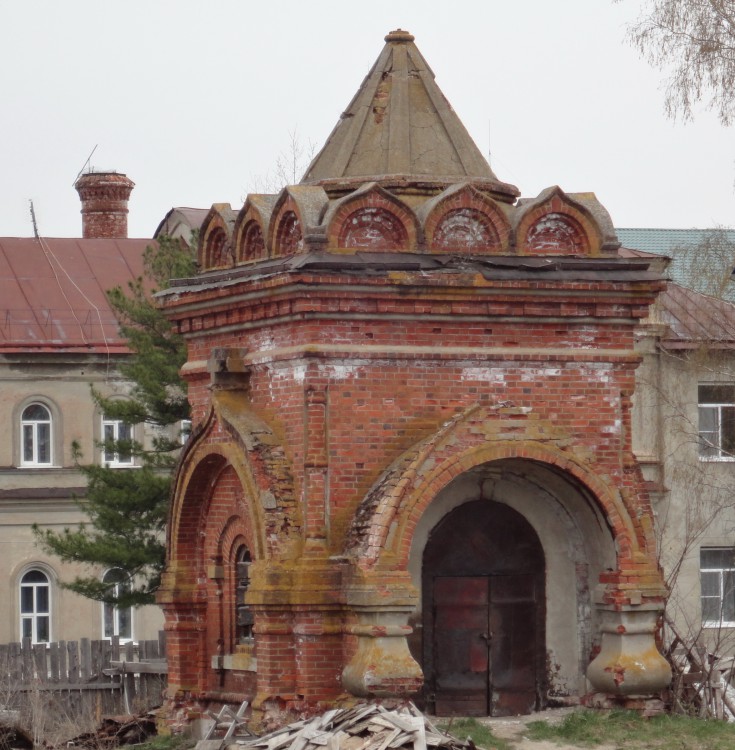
(484, 646)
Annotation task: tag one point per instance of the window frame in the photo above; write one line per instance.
(115, 461)
(723, 592)
(112, 613)
(185, 430)
(722, 426)
(244, 631)
(34, 425)
(35, 614)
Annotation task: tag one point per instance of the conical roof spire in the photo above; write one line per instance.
(399, 124)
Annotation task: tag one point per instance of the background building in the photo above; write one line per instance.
(58, 337)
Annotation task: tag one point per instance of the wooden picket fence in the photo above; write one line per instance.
(82, 678)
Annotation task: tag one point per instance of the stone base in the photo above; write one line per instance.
(644, 705)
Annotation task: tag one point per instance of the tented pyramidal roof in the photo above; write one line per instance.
(399, 124)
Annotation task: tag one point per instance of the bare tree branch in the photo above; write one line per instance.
(693, 43)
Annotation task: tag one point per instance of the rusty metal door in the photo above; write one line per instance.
(461, 654)
(513, 678)
(484, 645)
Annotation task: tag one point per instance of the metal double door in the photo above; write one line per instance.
(485, 649)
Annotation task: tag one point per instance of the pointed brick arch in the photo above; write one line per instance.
(215, 246)
(384, 523)
(286, 232)
(261, 470)
(554, 224)
(250, 238)
(372, 219)
(464, 220)
(252, 228)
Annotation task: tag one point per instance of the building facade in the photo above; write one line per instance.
(411, 469)
(59, 337)
(684, 438)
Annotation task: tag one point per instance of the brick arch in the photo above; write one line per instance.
(286, 232)
(372, 219)
(194, 484)
(289, 235)
(250, 241)
(187, 515)
(555, 231)
(392, 509)
(215, 248)
(464, 220)
(556, 225)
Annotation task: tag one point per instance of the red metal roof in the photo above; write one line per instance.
(695, 319)
(52, 292)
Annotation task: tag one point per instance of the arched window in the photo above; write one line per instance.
(116, 436)
(35, 606)
(117, 620)
(35, 429)
(243, 613)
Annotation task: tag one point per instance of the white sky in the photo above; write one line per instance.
(194, 100)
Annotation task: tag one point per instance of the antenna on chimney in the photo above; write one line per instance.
(84, 166)
(33, 220)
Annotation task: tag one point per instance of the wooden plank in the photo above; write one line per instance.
(26, 655)
(105, 659)
(419, 738)
(80, 687)
(85, 659)
(73, 651)
(15, 663)
(5, 664)
(383, 738)
(63, 662)
(140, 667)
(115, 648)
(53, 662)
(95, 659)
(40, 666)
(161, 644)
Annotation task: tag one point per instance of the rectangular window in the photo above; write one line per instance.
(184, 430)
(717, 578)
(114, 432)
(117, 620)
(717, 422)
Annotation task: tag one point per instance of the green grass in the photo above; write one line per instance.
(481, 735)
(624, 729)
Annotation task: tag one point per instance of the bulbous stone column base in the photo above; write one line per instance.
(629, 664)
(382, 665)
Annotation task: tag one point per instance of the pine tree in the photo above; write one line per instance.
(128, 509)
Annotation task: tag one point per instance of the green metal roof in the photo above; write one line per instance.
(701, 259)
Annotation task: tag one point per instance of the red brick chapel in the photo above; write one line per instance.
(411, 470)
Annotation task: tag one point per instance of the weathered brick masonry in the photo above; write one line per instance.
(395, 352)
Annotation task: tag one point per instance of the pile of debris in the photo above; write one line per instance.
(114, 731)
(14, 738)
(365, 727)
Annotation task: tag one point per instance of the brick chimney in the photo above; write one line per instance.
(104, 197)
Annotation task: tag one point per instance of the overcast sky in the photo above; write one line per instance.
(195, 99)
